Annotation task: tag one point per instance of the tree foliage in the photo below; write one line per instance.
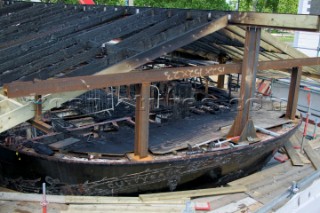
(270, 6)
(195, 4)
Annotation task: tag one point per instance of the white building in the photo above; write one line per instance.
(308, 42)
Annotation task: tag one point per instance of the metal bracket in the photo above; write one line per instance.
(249, 133)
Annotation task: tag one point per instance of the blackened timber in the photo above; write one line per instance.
(22, 14)
(122, 27)
(40, 23)
(293, 93)
(14, 7)
(75, 26)
(50, 66)
(247, 87)
(69, 33)
(97, 65)
(162, 47)
(204, 46)
(142, 121)
(153, 30)
(44, 47)
(167, 46)
(33, 14)
(61, 67)
(149, 42)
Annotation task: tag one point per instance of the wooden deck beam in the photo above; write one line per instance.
(283, 21)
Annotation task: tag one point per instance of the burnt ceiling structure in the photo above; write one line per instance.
(64, 42)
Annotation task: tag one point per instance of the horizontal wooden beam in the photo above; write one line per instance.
(288, 63)
(284, 21)
(19, 89)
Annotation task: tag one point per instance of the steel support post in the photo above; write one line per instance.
(242, 123)
(38, 107)
(293, 92)
(142, 121)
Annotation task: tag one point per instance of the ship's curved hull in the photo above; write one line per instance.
(25, 171)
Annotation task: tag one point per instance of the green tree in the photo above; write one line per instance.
(270, 6)
(195, 4)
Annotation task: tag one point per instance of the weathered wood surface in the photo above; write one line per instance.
(193, 193)
(237, 205)
(293, 154)
(63, 143)
(302, 22)
(312, 155)
(16, 196)
(125, 208)
(315, 143)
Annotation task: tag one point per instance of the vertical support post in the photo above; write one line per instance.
(206, 89)
(142, 121)
(128, 91)
(293, 92)
(221, 81)
(242, 125)
(221, 60)
(38, 107)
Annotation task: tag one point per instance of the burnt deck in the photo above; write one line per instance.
(166, 137)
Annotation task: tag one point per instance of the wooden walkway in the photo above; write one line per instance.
(243, 195)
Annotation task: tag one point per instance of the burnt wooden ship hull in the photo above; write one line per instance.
(25, 171)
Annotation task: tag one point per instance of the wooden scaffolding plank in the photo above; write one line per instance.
(312, 155)
(68, 199)
(293, 154)
(193, 193)
(126, 208)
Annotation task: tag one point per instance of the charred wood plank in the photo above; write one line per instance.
(149, 42)
(62, 68)
(154, 30)
(22, 14)
(38, 23)
(61, 31)
(44, 44)
(120, 28)
(50, 66)
(10, 8)
(37, 12)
